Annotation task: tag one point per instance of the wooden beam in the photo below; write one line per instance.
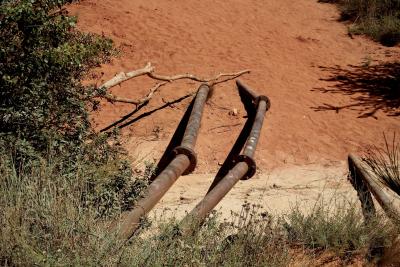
(387, 198)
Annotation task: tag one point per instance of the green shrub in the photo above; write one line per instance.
(42, 61)
(255, 238)
(44, 106)
(380, 19)
(58, 179)
(43, 219)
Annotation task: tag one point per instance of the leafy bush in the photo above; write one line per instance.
(43, 104)
(379, 19)
(61, 185)
(42, 61)
(58, 179)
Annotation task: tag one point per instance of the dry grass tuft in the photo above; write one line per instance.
(385, 163)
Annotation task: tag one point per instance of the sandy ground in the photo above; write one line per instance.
(302, 151)
(277, 192)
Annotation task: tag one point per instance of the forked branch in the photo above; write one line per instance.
(189, 76)
(149, 70)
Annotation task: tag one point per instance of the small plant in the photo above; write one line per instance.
(385, 163)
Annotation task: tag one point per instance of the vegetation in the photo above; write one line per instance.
(380, 19)
(248, 239)
(44, 106)
(45, 222)
(43, 59)
(385, 163)
(338, 226)
(57, 177)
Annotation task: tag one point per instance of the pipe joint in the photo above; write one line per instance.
(190, 154)
(252, 167)
(266, 99)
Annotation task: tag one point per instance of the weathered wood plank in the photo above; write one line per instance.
(387, 198)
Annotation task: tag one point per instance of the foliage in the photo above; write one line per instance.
(45, 222)
(61, 185)
(379, 19)
(57, 178)
(42, 61)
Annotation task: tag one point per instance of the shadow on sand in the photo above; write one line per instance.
(370, 88)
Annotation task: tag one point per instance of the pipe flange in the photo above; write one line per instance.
(190, 154)
(264, 98)
(250, 163)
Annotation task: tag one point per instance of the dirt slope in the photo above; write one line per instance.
(284, 43)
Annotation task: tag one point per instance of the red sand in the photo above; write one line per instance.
(283, 43)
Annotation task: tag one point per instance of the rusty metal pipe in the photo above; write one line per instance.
(200, 212)
(192, 130)
(240, 170)
(250, 148)
(130, 221)
(235, 151)
(247, 89)
(183, 157)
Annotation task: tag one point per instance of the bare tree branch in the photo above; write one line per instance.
(151, 92)
(194, 77)
(122, 76)
(149, 95)
(149, 70)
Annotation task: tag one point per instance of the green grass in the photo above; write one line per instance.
(55, 212)
(44, 222)
(231, 243)
(337, 226)
(379, 19)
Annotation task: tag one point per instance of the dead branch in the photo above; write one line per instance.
(149, 95)
(224, 126)
(195, 78)
(387, 198)
(149, 70)
(122, 76)
(151, 92)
